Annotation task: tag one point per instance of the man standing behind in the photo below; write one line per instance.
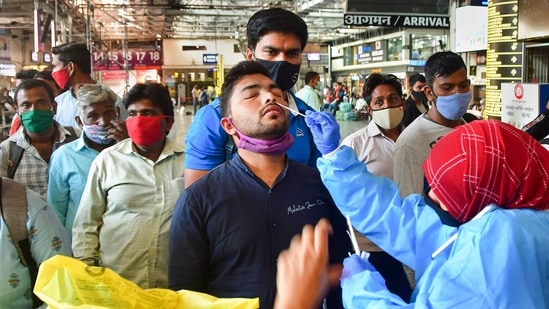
(226, 242)
(124, 216)
(71, 67)
(25, 155)
(195, 92)
(276, 39)
(308, 93)
(450, 91)
(69, 166)
(416, 104)
(374, 145)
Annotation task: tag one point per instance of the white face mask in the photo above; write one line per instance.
(388, 118)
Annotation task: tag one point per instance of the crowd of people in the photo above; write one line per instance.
(253, 203)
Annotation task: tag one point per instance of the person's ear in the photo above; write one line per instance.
(79, 121)
(169, 123)
(369, 109)
(429, 94)
(227, 126)
(54, 107)
(249, 54)
(117, 112)
(403, 103)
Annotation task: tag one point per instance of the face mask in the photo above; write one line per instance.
(283, 73)
(61, 78)
(37, 121)
(453, 107)
(145, 131)
(420, 96)
(97, 134)
(388, 118)
(275, 146)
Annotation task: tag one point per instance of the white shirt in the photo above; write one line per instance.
(309, 96)
(373, 148)
(376, 151)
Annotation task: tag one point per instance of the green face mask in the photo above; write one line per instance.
(37, 121)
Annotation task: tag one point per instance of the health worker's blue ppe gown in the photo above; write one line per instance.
(500, 260)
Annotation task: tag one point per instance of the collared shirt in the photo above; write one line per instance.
(68, 172)
(66, 109)
(373, 148)
(309, 96)
(411, 149)
(207, 145)
(47, 238)
(376, 151)
(496, 261)
(123, 219)
(33, 169)
(229, 228)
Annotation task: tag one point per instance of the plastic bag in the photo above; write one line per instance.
(65, 282)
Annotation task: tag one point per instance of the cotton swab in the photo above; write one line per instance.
(295, 112)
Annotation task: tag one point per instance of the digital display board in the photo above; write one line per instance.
(504, 53)
(397, 13)
(416, 7)
(114, 60)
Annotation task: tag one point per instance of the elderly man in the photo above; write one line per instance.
(25, 155)
(225, 242)
(98, 119)
(123, 219)
(276, 39)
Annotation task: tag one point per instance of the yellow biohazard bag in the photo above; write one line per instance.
(65, 283)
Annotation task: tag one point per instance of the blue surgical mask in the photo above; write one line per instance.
(453, 107)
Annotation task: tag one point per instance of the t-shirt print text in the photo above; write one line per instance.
(306, 206)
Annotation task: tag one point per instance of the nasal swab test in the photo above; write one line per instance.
(295, 112)
(351, 234)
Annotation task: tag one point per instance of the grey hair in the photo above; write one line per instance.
(90, 94)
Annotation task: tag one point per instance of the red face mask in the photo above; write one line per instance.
(145, 130)
(61, 78)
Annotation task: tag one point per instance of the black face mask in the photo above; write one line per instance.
(420, 96)
(444, 216)
(283, 73)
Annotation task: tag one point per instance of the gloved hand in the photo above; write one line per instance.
(356, 264)
(325, 130)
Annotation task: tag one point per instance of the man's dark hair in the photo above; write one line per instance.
(31, 84)
(46, 74)
(26, 74)
(442, 64)
(376, 79)
(309, 76)
(158, 94)
(414, 78)
(275, 19)
(76, 53)
(240, 70)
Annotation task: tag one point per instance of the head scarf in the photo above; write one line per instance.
(486, 162)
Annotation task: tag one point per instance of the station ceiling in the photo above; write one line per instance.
(137, 21)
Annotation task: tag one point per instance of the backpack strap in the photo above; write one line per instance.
(15, 155)
(13, 208)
